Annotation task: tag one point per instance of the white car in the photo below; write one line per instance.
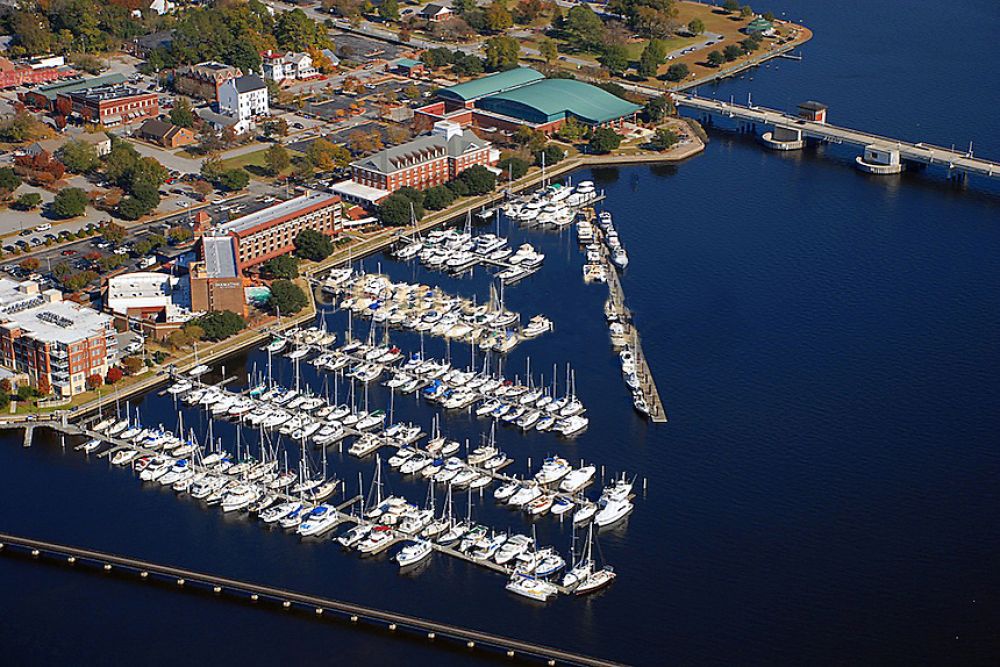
(44, 227)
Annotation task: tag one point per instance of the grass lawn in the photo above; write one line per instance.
(255, 162)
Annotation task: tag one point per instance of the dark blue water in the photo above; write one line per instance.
(825, 491)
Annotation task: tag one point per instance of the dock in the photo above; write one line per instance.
(190, 580)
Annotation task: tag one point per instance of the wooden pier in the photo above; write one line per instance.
(191, 580)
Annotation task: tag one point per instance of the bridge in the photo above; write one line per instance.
(882, 155)
(318, 606)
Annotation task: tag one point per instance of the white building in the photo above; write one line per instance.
(245, 99)
(146, 293)
(288, 66)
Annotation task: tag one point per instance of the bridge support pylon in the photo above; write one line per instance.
(880, 160)
(783, 139)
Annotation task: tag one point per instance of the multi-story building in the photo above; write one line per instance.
(114, 106)
(230, 248)
(216, 283)
(45, 337)
(426, 161)
(244, 98)
(44, 97)
(288, 66)
(204, 79)
(41, 70)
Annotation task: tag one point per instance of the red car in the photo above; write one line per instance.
(68, 252)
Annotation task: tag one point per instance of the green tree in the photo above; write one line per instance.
(480, 180)
(677, 72)
(395, 210)
(132, 208)
(732, 52)
(498, 18)
(283, 266)
(277, 159)
(715, 58)
(746, 12)
(664, 139)
(78, 157)
(70, 203)
(584, 28)
(182, 115)
(389, 10)
(549, 50)
(502, 53)
(604, 140)
(234, 179)
(651, 59)
(696, 26)
(313, 245)
(179, 234)
(615, 58)
(513, 167)
(551, 153)
(287, 298)
(220, 324)
(9, 181)
(438, 197)
(113, 233)
(29, 200)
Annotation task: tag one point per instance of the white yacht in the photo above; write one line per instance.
(530, 587)
(414, 553)
(577, 479)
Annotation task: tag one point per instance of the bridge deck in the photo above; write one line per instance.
(291, 599)
(914, 152)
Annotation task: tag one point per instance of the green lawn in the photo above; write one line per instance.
(254, 162)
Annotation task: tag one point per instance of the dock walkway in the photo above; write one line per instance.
(199, 581)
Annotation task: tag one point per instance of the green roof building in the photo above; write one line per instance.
(551, 100)
(760, 26)
(490, 85)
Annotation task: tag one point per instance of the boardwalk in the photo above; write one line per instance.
(189, 579)
(954, 160)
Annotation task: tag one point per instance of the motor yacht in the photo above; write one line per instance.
(532, 588)
(414, 553)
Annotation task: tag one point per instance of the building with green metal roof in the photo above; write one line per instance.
(492, 84)
(45, 96)
(551, 100)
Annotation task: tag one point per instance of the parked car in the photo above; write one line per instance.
(68, 252)
(44, 227)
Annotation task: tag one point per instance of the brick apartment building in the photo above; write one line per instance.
(45, 337)
(204, 79)
(430, 160)
(41, 71)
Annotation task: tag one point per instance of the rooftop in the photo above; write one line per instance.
(287, 209)
(407, 62)
(555, 98)
(45, 316)
(148, 289)
(492, 84)
(53, 90)
(354, 191)
(248, 83)
(419, 150)
(220, 257)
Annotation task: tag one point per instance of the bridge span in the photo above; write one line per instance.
(881, 155)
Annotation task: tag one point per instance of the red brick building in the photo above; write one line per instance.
(430, 160)
(113, 106)
(13, 75)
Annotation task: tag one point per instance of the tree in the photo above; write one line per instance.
(79, 157)
(28, 201)
(715, 58)
(113, 233)
(277, 159)
(326, 155)
(502, 53)
(194, 332)
(584, 28)
(9, 181)
(549, 50)
(604, 140)
(438, 197)
(677, 72)
(30, 263)
(732, 52)
(664, 139)
(551, 153)
(114, 375)
(696, 26)
(133, 365)
(43, 385)
(287, 298)
(479, 179)
(234, 179)
(178, 340)
(6, 387)
(202, 188)
(313, 245)
(395, 210)
(615, 58)
(498, 17)
(70, 203)
(513, 167)
(220, 324)
(182, 115)
(389, 10)
(94, 381)
(179, 234)
(651, 58)
(132, 208)
(750, 44)
(746, 12)
(284, 266)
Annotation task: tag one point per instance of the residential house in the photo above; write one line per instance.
(245, 99)
(166, 134)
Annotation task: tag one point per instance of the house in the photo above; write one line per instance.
(143, 46)
(166, 134)
(99, 140)
(217, 121)
(331, 56)
(436, 13)
(288, 66)
(204, 79)
(245, 99)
